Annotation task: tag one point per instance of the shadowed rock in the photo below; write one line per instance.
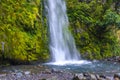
(117, 76)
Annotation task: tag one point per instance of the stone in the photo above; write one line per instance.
(93, 77)
(103, 76)
(52, 78)
(43, 79)
(75, 78)
(87, 76)
(19, 74)
(55, 71)
(80, 76)
(108, 78)
(2, 75)
(27, 72)
(47, 71)
(97, 76)
(117, 76)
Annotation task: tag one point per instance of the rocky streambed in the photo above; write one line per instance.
(40, 72)
(113, 59)
(52, 75)
(108, 69)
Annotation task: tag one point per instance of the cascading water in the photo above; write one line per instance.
(63, 50)
(62, 45)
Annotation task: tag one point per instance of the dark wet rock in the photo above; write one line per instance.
(108, 78)
(51, 74)
(117, 76)
(90, 76)
(47, 71)
(2, 75)
(75, 78)
(55, 71)
(87, 76)
(43, 79)
(93, 77)
(80, 76)
(52, 78)
(113, 59)
(19, 74)
(97, 76)
(102, 76)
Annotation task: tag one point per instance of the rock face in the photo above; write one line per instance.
(114, 59)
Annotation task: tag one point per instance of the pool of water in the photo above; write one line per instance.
(99, 67)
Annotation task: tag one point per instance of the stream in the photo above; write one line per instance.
(98, 67)
(45, 70)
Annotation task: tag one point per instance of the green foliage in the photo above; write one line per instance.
(94, 26)
(22, 31)
(111, 18)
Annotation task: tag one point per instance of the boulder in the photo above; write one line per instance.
(55, 71)
(93, 77)
(19, 74)
(87, 76)
(75, 78)
(102, 76)
(27, 72)
(117, 76)
(97, 76)
(52, 78)
(80, 76)
(2, 75)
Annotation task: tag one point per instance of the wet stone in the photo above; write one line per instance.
(19, 74)
(93, 77)
(27, 72)
(117, 76)
(103, 76)
(75, 78)
(55, 71)
(97, 76)
(47, 71)
(80, 76)
(2, 75)
(87, 76)
(52, 78)
(48, 74)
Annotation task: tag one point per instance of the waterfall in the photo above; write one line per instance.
(62, 44)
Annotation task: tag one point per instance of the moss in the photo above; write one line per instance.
(22, 31)
(94, 26)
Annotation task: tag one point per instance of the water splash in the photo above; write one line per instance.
(62, 45)
(73, 62)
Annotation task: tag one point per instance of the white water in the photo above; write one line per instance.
(62, 63)
(62, 45)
